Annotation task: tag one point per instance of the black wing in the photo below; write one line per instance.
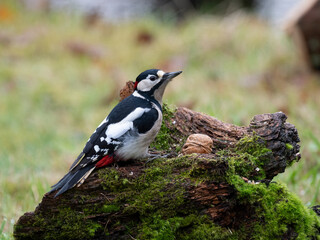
(146, 121)
(118, 113)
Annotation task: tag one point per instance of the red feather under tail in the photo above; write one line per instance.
(106, 160)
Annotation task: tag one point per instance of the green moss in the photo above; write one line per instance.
(207, 169)
(156, 198)
(253, 145)
(66, 224)
(246, 165)
(248, 157)
(276, 210)
(72, 225)
(109, 208)
(156, 191)
(160, 228)
(168, 137)
(289, 146)
(191, 227)
(112, 180)
(210, 231)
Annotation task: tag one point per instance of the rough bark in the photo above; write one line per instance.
(279, 135)
(114, 203)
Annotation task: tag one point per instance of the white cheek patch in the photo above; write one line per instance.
(160, 73)
(146, 84)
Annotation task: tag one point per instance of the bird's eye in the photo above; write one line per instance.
(152, 78)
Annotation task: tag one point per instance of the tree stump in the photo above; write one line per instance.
(227, 194)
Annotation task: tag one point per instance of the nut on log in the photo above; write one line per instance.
(197, 143)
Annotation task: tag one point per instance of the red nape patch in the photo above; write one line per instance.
(104, 161)
(135, 85)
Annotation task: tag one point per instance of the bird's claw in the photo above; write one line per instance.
(153, 156)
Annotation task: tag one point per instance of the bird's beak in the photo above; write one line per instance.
(170, 75)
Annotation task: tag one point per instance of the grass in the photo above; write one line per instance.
(52, 96)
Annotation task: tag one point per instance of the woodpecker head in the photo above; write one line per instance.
(153, 82)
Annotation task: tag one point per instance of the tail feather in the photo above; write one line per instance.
(71, 179)
(58, 184)
(62, 182)
(77, 161)
(84, 177)
(79, 171)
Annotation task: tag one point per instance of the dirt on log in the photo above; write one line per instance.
(227, 194)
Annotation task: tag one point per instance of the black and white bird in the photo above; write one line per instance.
(126, 132)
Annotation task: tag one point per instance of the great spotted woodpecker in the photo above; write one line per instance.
(125, 133)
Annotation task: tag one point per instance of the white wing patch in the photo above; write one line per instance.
(116, 130)
(96, 148)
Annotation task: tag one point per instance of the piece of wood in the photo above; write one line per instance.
(281, 137)
(216, 199)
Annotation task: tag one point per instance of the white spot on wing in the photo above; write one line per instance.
(94, 157)
(96, 148)
(105, 151)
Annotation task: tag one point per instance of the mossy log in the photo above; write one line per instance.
(280, 137)
(227, 194)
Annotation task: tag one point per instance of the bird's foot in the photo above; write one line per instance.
(155, 155)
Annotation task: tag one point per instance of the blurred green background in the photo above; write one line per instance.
(60, 75)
